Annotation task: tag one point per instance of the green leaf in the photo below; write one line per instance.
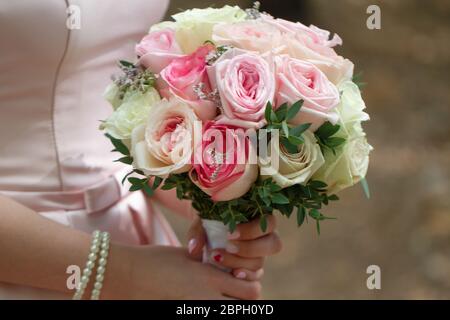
(296, 140)
(327, 130)
(157, 182)
(126, 63)
(279, 198)
(119, 145)
(126, 160)
(268, 111)
(294, 109)
(291, 148)
(315, 214)
(148, 190)
(301, 214)
(316, 184)
(232, 226)
(318, 226)
(281, 112)
(285, 129)
(135, 181)
(136, 187)
(334, 142)
(333, 197)
(263, 223)
(298, 130)
(365, 186)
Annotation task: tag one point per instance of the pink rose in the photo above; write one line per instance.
(157, 49)
(298, 80)
(313, 44)
(221, 166)
(182, 75)
(246, 83)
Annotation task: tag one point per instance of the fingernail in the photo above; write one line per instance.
(233, 236)
(191, 245)
(231, 248)
(241, 275)
(217, 257)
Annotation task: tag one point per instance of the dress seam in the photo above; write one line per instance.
(55, 81)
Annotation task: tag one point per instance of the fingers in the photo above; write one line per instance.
(233, 261)
(248, 275)
(196, 239)
(265, 246)
(251, 230)
(234, 287)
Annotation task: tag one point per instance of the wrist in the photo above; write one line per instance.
(116, 284)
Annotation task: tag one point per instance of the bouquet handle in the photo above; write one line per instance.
(216, 234)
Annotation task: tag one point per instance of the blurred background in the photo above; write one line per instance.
(405, 226)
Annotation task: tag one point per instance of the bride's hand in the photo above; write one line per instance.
(159, 272)
(248, 247)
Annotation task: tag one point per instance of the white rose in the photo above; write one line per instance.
(165, 144)
(350, 163)
(133, 112)
(194, 27)
(295, 168)
(112, 95)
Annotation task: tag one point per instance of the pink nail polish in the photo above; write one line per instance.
(191, 245)
(233, 236)
(241, 275)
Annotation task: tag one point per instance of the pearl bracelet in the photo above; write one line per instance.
(90, 264)
(104, 246)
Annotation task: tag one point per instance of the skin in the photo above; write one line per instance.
(36, 252)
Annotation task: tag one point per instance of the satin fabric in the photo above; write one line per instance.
(53, 157)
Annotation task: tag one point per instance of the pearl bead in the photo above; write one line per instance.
(84, 279)
(99, 278)
(92, 257)
(101, 270)
(95, 292)
(87, 272)
(95, 249)
(98, 286)
(90, 264)
(103, 253)
(102, 262)
(105, 245)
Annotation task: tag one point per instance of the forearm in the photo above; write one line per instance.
(36, 251)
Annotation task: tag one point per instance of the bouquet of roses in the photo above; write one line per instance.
(243, 114)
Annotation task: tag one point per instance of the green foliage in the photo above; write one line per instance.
(134, 78)
(290, 137)
(325, 137)
(357, 79)
(261, 200)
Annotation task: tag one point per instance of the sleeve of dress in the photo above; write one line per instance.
(168, 199)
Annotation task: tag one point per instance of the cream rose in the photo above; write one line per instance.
(350, 163)
(194, 27)
(164, 145)
(252, 35)
(133, 112)
(293, 168)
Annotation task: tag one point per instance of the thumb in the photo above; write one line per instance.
(196, 239)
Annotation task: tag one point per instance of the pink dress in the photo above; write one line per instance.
(53, 158)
